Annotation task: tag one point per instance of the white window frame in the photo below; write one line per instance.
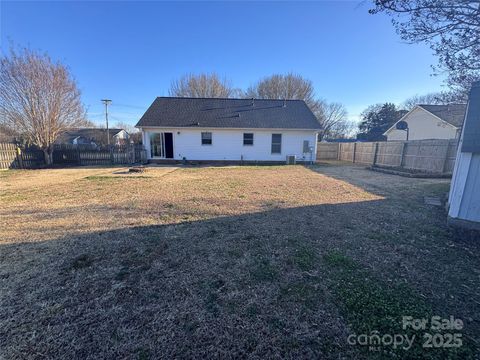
(277, 143)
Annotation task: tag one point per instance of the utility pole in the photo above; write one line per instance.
(107, 102)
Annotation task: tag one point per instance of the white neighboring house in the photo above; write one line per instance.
(219, 129)
(93, 136)
(430, 122)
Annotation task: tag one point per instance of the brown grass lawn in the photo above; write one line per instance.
(227, 262)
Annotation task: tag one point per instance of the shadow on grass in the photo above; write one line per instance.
(258, 285)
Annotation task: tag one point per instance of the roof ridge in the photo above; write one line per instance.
(92, 128)
(449, 104)
(223, 98)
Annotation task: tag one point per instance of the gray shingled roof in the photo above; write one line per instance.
(229, 113)
(452, 113)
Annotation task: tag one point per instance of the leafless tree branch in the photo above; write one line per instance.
(202, 85)
(450, 27)
(39, 99)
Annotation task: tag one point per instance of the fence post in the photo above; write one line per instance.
(339, 151)
(112, 157)
(354, 151)
(416, 157)
(19, 157)
(375, 154)
(447, 146)
(402, 159)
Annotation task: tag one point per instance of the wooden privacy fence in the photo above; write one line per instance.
(427, 156)
(327, 151)
(16, 157)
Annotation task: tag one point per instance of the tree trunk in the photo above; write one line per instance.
(48, 154)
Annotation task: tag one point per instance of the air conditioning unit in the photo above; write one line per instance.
(291, 159)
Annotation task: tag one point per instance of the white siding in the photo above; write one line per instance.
(227, 144)
(464, 197)
(423, 125)
(122, 135)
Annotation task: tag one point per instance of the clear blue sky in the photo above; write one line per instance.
(131, 51)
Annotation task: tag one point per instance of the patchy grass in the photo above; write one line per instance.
(305, 258)
(6, 173)
(437, 189)
(110, 178)
(102, 178)
(257, 262)
(261, 269)
(13, 196)
(372, 306)
(81, 261)
(305, 291)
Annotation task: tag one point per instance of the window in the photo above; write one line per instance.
(247, 138)
(206, 138)
(276, 143)
(306, 146)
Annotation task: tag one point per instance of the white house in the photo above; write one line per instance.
(430, 122)
(464, 197)
(218, 129)
(97, 136)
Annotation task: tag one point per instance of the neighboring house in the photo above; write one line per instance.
(93, 136)
(430, 122)
(464, 197)
(229, 129)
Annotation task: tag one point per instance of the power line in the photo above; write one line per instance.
(130, 106)
(95, 115)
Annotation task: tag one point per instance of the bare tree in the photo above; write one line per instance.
(202, 85)
(333, 117)
(436, 98)
(88, 124)
(39, 99)
(450, 27)
(289, 86)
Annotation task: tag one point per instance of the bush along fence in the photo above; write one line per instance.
(13, 156)
(436, 157)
